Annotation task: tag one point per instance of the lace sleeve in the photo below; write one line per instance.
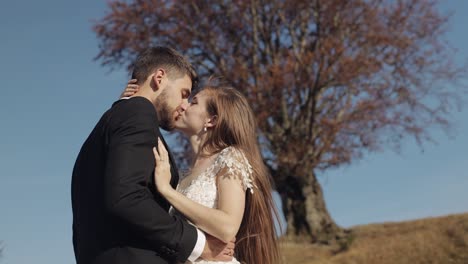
(232, 162)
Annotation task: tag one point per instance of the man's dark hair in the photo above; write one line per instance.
(169, 59)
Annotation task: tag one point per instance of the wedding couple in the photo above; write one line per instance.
(124, 178)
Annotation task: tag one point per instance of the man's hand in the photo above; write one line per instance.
(217, 250)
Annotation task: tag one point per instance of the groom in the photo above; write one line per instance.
(118, 217)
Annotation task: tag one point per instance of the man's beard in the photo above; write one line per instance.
(164, 112)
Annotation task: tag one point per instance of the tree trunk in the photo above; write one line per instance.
(306, 214)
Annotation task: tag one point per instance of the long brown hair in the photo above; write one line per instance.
(236, 126)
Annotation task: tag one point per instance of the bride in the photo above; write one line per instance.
(227, 191)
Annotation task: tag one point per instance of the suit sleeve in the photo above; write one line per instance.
(129, 166)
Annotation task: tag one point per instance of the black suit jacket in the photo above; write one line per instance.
(118, 217)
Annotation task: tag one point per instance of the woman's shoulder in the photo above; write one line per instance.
(231, 151)
(232, 160)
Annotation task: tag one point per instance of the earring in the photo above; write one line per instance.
(204, 129)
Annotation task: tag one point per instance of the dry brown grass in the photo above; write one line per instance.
(441, 240)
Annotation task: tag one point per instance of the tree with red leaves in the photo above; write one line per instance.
(330, 80)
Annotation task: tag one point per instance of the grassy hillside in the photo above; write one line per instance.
(441, 240)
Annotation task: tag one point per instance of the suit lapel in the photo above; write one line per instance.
(174, 169)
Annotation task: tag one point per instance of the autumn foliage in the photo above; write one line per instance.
(330, 80)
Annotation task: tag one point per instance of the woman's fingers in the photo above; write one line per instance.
(162, 150)
(156, 155)
(160, 153)
(131, 88)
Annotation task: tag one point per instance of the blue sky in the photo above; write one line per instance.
(53, 93)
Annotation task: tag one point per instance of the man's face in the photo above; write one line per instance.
(193, 116)
(175, 93)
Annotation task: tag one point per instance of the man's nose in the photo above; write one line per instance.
(184, 105)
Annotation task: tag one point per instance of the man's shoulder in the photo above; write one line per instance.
(134, 109)
(132, 104)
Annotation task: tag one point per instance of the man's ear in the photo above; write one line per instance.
(158, 79)
(212, 121)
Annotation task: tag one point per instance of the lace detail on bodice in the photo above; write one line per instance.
(230, 162)
(202, 188)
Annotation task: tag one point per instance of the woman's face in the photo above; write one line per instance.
(193, 116)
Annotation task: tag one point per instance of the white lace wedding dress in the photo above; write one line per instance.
(202, 188)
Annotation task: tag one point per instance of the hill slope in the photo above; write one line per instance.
(440, 240)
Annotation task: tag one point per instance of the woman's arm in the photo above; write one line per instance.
(223, 222)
